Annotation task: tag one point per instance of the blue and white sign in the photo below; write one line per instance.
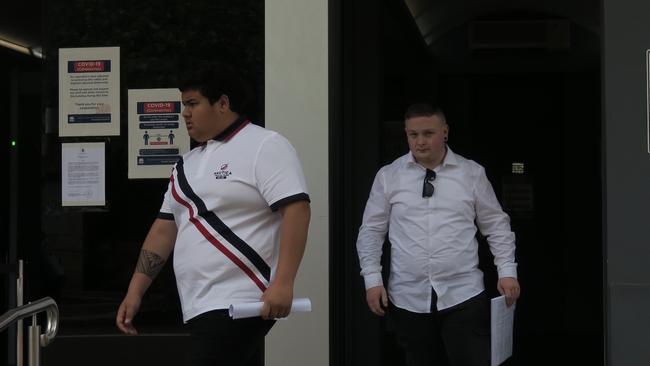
(157, 134)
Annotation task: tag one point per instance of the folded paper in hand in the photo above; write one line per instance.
(251, 309)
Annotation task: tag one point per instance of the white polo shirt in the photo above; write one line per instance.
(224, 196)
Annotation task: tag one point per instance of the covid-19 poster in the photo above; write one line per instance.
(89, 91)
(157, 134)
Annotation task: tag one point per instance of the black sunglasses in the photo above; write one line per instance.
(428, 188)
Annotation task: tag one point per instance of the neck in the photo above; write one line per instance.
(429, 164)
(223, 123)
(432, 163)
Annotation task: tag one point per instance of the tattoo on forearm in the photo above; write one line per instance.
(149, 263)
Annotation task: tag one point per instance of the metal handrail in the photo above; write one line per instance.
(46, 304)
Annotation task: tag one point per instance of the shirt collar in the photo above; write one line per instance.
(232, 130)
(450, 158)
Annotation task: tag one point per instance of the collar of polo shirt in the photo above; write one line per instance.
(231, 130)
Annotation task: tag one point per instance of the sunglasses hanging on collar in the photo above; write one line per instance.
(428, 188)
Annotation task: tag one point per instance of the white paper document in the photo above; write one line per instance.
(502, 321)
(251, 309)
(83, 174)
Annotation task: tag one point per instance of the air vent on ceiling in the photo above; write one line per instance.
(491, 34)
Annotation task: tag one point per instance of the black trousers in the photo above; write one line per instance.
(217, 339)
(457, 336)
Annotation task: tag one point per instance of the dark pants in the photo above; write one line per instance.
(216, 339)
(457, 336)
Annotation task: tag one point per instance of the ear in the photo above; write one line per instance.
(223, 103)
(406, 132)
(406, 125)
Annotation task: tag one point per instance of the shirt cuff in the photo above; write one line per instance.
(291, 199)
(508, 270)
(373, 280)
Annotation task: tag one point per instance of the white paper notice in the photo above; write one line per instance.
(502, 321)
(89, 91)
(157, 135)
(83, 174)
(251, 309)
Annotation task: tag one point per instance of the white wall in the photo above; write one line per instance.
(627, 173)
(296, 105)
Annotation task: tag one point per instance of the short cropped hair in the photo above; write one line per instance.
(216, 79)
(424, 110)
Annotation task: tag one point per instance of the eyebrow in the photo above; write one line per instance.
(420, 131)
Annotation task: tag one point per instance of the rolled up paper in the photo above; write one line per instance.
(251, 309)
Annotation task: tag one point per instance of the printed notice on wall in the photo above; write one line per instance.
(157, 135)
(83, 174)
(89, 91)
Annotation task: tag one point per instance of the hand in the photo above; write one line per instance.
(126, 312)
(277, 301)
(509, 287)
(377, 299)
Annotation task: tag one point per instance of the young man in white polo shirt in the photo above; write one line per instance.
(431, 202)
(236, 214)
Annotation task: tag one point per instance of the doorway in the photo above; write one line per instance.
(536, 106)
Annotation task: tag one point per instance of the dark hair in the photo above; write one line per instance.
(424, 110)
(216, 79)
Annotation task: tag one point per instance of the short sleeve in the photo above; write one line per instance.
(165, 212)
(278, 173)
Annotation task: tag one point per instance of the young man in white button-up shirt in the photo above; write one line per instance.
(431, 202)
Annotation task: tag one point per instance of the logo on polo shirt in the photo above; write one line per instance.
(223, 172)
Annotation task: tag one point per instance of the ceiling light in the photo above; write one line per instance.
(36, 52)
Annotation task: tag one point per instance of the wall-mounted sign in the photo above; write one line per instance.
(89, 91)
(83, 174)
(157, 133)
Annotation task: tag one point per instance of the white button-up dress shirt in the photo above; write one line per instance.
(433, 240)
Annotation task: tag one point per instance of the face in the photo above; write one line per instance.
(202, 119)
(426, 138)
